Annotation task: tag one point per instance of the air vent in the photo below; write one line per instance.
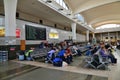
(41, 21)
(17, 15)
(55, 25)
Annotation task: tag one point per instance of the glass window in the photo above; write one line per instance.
(80, 17)
(108, 26)
(62, 3)
(58, 1)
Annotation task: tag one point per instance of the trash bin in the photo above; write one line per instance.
(3, 56)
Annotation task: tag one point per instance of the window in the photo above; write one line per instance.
(80, 17)
(108, 26)
(62, 3)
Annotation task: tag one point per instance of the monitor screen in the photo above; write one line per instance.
(35, 33)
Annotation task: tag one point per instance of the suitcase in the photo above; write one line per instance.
(115, 60)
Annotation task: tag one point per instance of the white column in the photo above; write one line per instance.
(109, 37)
(93, 34)
(10, 20)
(73, 26)
(117, 35)
(87, 35)
(101, 37)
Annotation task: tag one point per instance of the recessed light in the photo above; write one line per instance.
(60, 9)
(49, 1)
(68, 14)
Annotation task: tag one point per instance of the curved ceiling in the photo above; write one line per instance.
(97, 12)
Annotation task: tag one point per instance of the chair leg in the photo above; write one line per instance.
(100, 66)
(93, 66)
(90, 65)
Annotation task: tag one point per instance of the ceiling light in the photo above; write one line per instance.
(48, 1)
(68, 14)
(60, 9)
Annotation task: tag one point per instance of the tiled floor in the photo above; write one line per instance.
(28, 72)
(115, 70)
(41, 71)
(5, 66)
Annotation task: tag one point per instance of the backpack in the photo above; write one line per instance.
(57, 62)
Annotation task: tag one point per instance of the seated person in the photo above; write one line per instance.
(27, 54)
(77, 50)
(51, 55)
(94, 49)
(104, 52)
(61, 53)
(68, 55)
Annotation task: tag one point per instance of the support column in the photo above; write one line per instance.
(109, 37)
(101, 36)
(10, 21)
(93, 34)
(73, 26)
(93, 39)
(117, 36)
(87, 35)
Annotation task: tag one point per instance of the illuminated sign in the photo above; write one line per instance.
(18, 33)
(53, 34)
(2, 32)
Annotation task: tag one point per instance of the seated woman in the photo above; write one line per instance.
(51, 55)
(104, 52)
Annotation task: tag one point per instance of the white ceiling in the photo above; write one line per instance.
(95, 12)
(34, 7)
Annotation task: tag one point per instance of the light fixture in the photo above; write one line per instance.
(48, 1)
(60, 9)
(68, 14)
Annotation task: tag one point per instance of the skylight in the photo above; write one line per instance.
(108, 26)
(80, 17)
(62, 3)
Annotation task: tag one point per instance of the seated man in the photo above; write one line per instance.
(77, 50)
(61, 54)
(68, 55)
(27, 54)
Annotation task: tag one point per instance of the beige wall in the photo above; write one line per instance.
(29, 17)
(1, 10)
(108, 36)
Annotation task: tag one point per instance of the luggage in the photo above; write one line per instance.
(57, 62)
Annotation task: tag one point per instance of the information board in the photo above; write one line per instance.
(35, 33)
